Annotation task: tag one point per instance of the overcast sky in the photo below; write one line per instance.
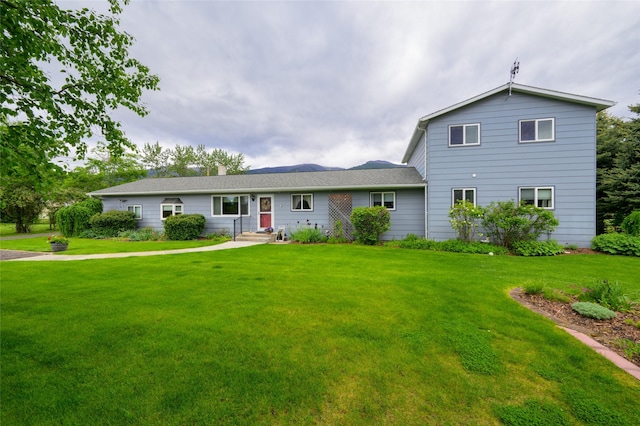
(343, 82)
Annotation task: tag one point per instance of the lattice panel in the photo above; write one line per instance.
(340, 206)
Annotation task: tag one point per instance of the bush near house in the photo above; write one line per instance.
(111, 223)
(623, 244)
(369, 223)
(465, 219)
(507, 222)
(184, 227)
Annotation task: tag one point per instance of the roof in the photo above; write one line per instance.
(401, 177)
(599, 104)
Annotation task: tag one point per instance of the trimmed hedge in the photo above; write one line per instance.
(617, 244)
(111, 223)
(184, 227)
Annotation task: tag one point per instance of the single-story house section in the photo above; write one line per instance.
(254, 202)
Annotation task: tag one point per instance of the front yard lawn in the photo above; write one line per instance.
(91, 246)
(290, 334)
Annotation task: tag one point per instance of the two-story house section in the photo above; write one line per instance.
(527, 144)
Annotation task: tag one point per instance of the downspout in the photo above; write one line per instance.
(426, 188)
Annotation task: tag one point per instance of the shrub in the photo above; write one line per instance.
(93, 204)
(631, 224)
(369, 223)
(537, 248)
(465, 218)
(623, 244)
(111, 223)
(144, 234)
(456, 246)
(475, 247)
(593, 310)
(184, 226)
(612, 296)
(507, 222)
(73, 220)
(307, 235)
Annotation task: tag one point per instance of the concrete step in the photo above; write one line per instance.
(259, 237)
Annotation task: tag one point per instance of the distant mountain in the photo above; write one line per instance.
(317, 168)
(377, 164)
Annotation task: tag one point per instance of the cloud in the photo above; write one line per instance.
(341, 83)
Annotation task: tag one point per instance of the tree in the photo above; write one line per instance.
(46, 114)
(618, 173)
(155, 159)
(208, 162)
(21, 203)
(181, 160)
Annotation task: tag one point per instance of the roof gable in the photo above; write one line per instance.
(599, 104)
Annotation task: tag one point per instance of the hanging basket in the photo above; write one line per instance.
(55, 247)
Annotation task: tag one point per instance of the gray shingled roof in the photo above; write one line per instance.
(401, 177)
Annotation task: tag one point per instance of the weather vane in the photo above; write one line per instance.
(514, 70)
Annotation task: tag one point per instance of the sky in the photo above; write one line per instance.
(339, 83)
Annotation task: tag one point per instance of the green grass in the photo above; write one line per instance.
(91, 246)
(290, 334)
(9, 229)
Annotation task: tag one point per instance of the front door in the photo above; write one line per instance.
(265, 215)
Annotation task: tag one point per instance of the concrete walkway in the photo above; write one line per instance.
(60, 257)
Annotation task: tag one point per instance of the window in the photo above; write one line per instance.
(137, 210)
(387, 199)
(541, 130)
(540, 197)
(302, 202)
(466, 134)
(229, 205)
(170, 210)
(467, 194)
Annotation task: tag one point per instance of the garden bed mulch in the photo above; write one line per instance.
(606, 332)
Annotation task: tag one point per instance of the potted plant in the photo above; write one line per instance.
(58, 243)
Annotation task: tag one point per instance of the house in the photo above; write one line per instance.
(514, 142)
(254, 202)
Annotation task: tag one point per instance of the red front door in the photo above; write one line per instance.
(265, 203)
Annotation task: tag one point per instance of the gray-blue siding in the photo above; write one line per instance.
(501, 165)
(407, 218)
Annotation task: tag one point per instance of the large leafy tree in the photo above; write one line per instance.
(62, 73)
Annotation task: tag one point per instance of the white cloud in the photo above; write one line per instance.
(341, 83)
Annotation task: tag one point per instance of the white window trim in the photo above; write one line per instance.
(463, 194)
(302, 209)
(239, 205)
(464, 134)
(173, 209)
(382, 193)
(134, 210)
(536, 120)
(535, 194)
